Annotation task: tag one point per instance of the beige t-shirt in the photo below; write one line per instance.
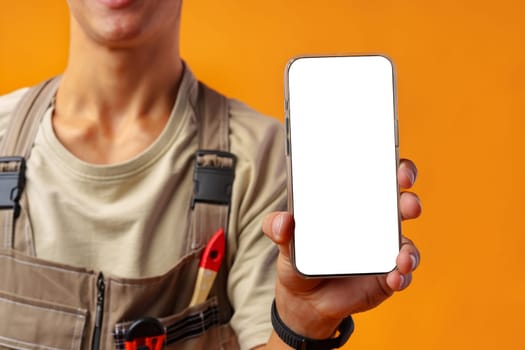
(93, 215)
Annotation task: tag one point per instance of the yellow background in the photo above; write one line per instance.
(461, 78)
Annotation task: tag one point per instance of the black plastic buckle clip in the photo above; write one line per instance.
(12, 182)
(145, 334)
(213, 177)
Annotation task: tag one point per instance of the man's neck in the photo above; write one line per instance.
(113, 103)
(112, 83)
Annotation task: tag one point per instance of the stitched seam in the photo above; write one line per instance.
(11, 341)
(29, 234)
(141, 283)
(107, 306)
(43, 266)
(224, 218)
(43, 308)
(76, 335)
(198, 225)
(6, 232)
(224, 124)
(9, 227)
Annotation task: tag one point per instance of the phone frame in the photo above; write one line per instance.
(289, 151)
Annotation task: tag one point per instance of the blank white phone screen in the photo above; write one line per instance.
(342, 143)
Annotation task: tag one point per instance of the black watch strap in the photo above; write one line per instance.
(299, 342)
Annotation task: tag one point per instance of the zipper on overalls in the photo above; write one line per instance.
(101, 286)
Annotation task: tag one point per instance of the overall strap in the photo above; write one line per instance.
(214, 167)
(15, 148)
(213, 176)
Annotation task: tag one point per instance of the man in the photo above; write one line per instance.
(121, 131)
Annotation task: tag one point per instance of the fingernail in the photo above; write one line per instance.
(277, 225)
(402, 281)
(415, 261)
(410, 172)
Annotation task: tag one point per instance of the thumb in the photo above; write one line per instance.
(279, 226)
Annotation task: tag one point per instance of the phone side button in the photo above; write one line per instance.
(396, 131)
(287, 135)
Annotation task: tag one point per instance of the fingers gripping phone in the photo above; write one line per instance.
(342, 148)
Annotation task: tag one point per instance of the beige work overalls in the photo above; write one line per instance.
(46, 305)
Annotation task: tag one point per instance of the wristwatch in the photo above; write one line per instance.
(300, 342)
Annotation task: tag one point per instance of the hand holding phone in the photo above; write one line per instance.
(342, 147)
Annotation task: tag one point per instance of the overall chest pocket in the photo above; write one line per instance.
(39, 325)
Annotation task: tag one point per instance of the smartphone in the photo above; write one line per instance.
(342, 150)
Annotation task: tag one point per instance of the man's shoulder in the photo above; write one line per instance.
(255, 136)
(250, 119)
(8, 103)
